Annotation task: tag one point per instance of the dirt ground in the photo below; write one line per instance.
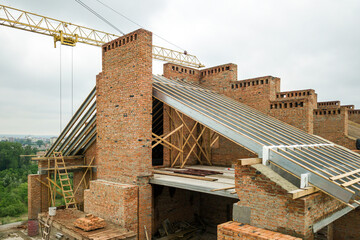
(16, 234)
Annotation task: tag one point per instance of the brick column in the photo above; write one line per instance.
(37, 201)
(124, 117)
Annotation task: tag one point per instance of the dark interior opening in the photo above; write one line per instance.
(158, 129)
(184, 210)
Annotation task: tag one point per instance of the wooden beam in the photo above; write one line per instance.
(298, 193)
(220, 189)
(67, 167)
(351, 182)
(52, 158)
(344, 175)
(250, 161)
(84, 176)
(185, 176)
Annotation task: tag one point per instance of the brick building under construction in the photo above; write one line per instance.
(240, 157)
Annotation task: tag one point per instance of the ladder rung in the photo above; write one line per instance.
(69, 197)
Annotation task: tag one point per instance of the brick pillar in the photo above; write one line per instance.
(124, 117)
(79, 195)
(37, 200)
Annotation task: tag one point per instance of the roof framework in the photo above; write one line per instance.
(331, 168)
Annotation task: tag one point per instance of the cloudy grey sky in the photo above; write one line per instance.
(308, 44)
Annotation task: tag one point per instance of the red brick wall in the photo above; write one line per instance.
(124, 99)
(218, 78)
(235, 230)
(298, 113)
(174, 71)
(332, 124)
(115, 202)
(77, 176)
(354, 115)
(227, 153)
(255, 92)
(37, 195)
(124, 117)
(272, 208)
(347, 227)
(89, 155)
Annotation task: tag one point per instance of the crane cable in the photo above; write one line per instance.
(99, 16)
(127, 18)
(60, 94)
(72, 81)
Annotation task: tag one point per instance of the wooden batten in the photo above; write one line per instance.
(250, 161)
(298, 193)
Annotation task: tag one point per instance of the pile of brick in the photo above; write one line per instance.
(236, 231)
(89, 223)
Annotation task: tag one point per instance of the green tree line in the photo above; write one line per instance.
(13, 178)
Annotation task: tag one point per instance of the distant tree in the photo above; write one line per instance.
(40, 142)
(10, 155)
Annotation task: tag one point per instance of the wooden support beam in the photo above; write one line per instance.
(250, 161)
(67, 168)
(83, 177)
(185, 176)
(52, 158)
(220, 189)
(298, 193)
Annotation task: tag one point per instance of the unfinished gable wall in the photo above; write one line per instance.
(295, 108)
(218, 78)
(226, 153)
(255, 92)
(272, 208)
(332, 124)
(354, 115)
(175, 71)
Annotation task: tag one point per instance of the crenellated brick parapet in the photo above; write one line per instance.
(328, 104)
(296, 94)
(297, 112)
(174, 71)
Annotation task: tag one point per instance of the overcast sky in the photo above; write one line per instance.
(308, 44)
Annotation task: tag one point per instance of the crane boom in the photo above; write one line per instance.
(69, 34)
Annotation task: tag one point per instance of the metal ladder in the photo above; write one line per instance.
(45, 234)
(64, 180)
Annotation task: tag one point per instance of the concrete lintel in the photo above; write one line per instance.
(193, 185)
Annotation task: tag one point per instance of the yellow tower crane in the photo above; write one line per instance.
(69, 34)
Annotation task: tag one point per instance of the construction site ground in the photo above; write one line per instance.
(16, 234)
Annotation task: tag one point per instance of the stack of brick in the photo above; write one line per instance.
(90, 222)
(235, 230)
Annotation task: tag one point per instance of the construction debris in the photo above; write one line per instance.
(90, 222)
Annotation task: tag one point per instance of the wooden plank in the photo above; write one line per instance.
(344, 175)
(220, 189)
(52, 158)
(250, 161)
(351, 182)
(185, 176)
(298, 193)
